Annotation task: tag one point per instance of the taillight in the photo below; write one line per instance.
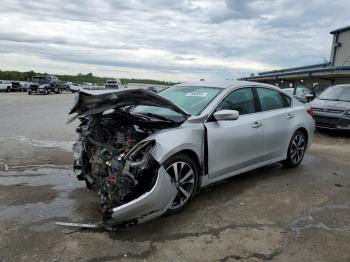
(311, 113)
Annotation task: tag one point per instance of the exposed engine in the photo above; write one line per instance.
(108, 159)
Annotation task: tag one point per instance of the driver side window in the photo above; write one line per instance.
(241, 100)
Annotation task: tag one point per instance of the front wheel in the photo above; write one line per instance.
(184, 173)
(296, 150)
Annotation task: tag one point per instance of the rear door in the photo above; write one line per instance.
(277, 118)
(235, 144)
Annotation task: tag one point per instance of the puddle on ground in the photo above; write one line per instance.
(40, 196)
(63, 145)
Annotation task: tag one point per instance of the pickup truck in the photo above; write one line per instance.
(5, 86)
(45, 85)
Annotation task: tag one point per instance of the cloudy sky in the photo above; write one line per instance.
(179, 40)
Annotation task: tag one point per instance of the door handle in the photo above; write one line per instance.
(289, 116)
(256, 125)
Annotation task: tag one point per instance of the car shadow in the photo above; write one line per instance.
(162, 228)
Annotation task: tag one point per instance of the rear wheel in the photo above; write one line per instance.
(296, 150)
(184, 173)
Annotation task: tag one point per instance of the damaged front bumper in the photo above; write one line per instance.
(150, 205)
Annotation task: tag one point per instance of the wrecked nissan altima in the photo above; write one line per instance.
(147, 154)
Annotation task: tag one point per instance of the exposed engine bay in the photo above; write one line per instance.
(113, 154)
(111, 159)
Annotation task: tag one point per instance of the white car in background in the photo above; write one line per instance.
(5, 86)
(73, 87)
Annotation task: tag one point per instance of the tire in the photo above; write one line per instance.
(46, 92)
(8, 90)
(187, 188)
(29, 92)
(296, 150)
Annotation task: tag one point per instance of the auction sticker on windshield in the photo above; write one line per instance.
(197, 94)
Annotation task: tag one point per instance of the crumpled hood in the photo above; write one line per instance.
(330, 104)
(96, 101)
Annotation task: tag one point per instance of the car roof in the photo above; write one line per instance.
(344, 85)
(222, 84)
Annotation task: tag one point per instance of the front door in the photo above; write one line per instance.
(235, 144)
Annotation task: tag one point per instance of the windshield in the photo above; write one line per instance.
(340, 92)
(41, 80)
(302, 91)
(193, 99)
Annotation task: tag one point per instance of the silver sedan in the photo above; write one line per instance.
(148, 154)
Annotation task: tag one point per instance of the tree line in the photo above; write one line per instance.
(79, 78)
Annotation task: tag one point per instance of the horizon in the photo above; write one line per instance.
(166, 40)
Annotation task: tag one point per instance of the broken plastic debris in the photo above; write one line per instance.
(81, 225)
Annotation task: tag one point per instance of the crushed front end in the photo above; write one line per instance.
(114, 158)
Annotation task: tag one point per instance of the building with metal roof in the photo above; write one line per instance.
(336, 71)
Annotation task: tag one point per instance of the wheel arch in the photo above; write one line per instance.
(192, 155)
(305, 132)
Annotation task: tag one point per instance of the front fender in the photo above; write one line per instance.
(172, 141)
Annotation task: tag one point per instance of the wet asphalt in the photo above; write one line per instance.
(270, 214)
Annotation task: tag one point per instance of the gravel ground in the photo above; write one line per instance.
(272, 213)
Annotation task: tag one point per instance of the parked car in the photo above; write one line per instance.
(67, 86)
(302, 93)
(148, 154)
(73, 87)
(24, 86)
(113, 84)
(332, 108)
(5, 86)
(16, 86)
(45, 85)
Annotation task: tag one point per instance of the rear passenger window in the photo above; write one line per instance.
(241, 100)
(271, 99)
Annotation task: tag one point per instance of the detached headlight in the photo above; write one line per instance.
(138, 152)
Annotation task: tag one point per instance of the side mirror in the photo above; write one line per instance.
(309, 97)
(223, 115)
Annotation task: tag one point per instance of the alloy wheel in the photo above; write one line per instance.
(297, 148)
(183, 177)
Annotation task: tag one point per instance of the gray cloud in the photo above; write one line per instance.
(184, 39)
